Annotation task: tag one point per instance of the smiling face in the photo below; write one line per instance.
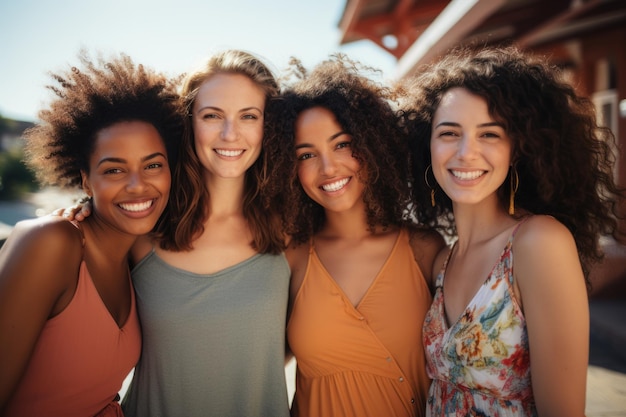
(129, 177)
(326, 168)
(470, 151)
(228, 124)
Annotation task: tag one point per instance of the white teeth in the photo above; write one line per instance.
(464, 175)
(229, 152)
(334, 186)
(136, 206)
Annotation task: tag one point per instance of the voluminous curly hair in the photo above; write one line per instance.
(365, 110)
(189, 198)
(100, 94)
(563, 158)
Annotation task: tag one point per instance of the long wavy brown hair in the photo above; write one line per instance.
(189, 198)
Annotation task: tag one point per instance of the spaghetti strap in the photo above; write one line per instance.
(518, 226)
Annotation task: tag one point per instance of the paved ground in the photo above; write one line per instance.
(606, 378)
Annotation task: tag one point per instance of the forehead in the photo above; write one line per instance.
(127, 140)
(316, 123)
(460, 102)
(229, 88)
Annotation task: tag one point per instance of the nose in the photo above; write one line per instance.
(328, 165)
(136, 182)
(467, 147)
(229, 130)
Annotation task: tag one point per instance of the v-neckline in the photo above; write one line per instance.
(103, 304)
(471, 302)
(372, 284)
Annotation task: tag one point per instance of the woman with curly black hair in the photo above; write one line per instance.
(507, 151)
(69, 332)
(358, 294)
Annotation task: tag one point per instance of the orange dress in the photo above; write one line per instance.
(366, 360)
(80, 360)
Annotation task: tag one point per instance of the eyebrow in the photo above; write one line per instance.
(330, 139)
(220, 109)
(452, 124)
(121, 160)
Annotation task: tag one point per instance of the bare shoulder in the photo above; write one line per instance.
(297, 256)
(545, 258)
(48, 236)
(426, 245)
(541, 232)
(40, 260)
(298, 259)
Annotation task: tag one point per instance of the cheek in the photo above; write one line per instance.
(437, 161)
(255, 136)
(306, 177)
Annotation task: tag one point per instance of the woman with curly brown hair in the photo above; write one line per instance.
(358, 294)
(515, 159)
(69, 331)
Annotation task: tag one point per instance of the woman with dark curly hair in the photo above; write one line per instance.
(358, 294)
(69, 332)
(513, 156)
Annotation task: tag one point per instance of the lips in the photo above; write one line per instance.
(467, 175)
(335, 185)
(229, 152)
(137, 207)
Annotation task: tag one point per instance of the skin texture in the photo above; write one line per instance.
(227, 119)
(351, 252)
(327, 170)
(549, 281)
(129, 180)
(228, 124)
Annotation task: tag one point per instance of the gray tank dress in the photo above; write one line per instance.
(213, 345)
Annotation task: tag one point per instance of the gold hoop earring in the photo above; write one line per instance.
(514, 187)
(432, 189)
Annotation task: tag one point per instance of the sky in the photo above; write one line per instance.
(174, 36)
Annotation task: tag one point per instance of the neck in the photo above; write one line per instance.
(346, 226)
(226, 196)
(479, 223)
(101, 238)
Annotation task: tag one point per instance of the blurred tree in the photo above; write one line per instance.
(15, 178)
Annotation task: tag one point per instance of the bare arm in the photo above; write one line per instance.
(555, 304)
(38, 275)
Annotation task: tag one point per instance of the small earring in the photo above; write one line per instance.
(432, 189)
(514, 187)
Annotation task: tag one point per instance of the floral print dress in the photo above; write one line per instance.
(480, 365)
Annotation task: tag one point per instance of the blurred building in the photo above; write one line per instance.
(587, 38)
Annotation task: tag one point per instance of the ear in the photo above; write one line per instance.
(85, 183)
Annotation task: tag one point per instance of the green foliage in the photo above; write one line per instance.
(15, 178)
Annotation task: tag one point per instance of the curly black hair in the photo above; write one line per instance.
(563, 158)
(104, 92)
(365, 109)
